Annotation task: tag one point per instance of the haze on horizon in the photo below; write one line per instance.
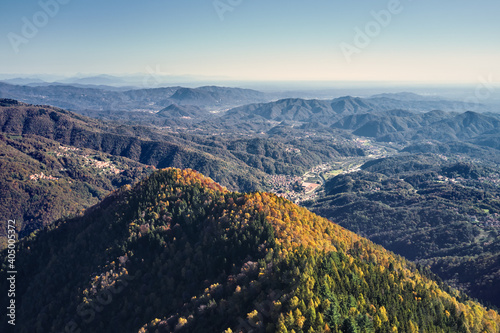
(367, 41)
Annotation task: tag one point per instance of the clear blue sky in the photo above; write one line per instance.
(426, 41)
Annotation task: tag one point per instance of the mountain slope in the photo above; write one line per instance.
(427, 208)
(177, 111)
(217, 97)
(137, 143)
(42, 181)
(301, 110)
(88, 158)
(338, 113)
(177, 252)
(381, 124)
(400, 125)
(237, 163)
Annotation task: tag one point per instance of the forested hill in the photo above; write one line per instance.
(423, 206)
(55, 163)
(237, 163)
(178, 252)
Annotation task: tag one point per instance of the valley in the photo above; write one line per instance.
(234, 166)
(187, 255)
(423, 184)
(310, 185)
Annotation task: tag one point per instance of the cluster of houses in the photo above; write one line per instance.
(66, 150)
(282, 182)
(286, 187)
(108, 166)
(491, 180)
(321, 168)
(37, 176)
(292, 150)
(491, 221)
(89, 161)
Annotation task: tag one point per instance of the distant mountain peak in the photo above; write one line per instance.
(407, 96)
(350, 104)
(175, 110)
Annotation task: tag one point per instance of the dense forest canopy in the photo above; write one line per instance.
(178, 252)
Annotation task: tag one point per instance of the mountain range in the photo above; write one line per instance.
(78, 97)
(32, 137)
(297, 109)
(179, 253)
(426, 207)
(82, 99)
(416, 179)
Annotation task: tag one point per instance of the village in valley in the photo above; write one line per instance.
(309, 186)
(86, 160)
(306, 187)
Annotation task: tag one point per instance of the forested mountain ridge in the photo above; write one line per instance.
(140, 105)
(177, 252)
(330, 111)
(442, 213)
(399, 125)
(233, 162)
(42, 180)
(420, 205)
(68, 153)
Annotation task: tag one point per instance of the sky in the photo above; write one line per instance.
(423, 41)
